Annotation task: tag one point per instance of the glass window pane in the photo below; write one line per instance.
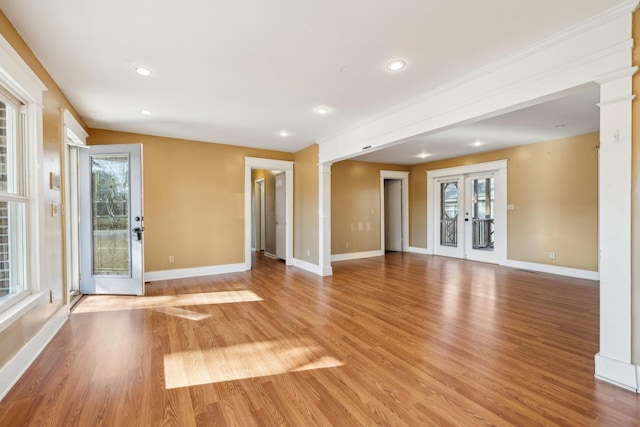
(110, 215)
(12, 248)
(482, 213)
(8, 148)
(449, 214)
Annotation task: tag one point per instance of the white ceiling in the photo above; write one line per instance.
(571, 114)
(238, 72)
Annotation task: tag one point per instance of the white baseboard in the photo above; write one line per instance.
(619, 373)
(270, 255)
(416, 250)
(561, 271)
(307, 266)
(356, 255)
(11, 372)
(181, 273)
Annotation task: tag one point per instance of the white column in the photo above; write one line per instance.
(613, 362)
(324, 233)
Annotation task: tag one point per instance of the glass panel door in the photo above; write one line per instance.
(450, 241)
(111, 240)
(480, 220)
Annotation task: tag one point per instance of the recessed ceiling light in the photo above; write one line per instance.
(145, 112)
(396, 65)
(284, 133)
(477, 143)
(323, 110)
(422, 155)
(143, 71)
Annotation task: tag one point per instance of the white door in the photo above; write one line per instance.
(393, 215)
(480, 217)
(466, 217)
(448, 217)
(111, 220)
(281, 194)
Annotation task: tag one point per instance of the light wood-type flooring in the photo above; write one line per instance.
(405, 339)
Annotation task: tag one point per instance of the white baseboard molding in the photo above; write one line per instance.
(618, 373)
(561, 271)
(11, 372)
(416, 250)
(307, 266)
(356, 255)
(181, 273)
(270, 255)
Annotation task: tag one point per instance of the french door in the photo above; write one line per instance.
(469, 216)
(111, 220)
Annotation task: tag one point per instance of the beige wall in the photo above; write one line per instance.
(193, 201)
(355, 205)
(305, 205)
(51, 263)
(553, 186)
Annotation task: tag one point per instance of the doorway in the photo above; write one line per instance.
(467, 210)
(394, 211)
(286, 167)
(259, 216)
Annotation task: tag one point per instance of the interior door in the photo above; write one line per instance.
(449, 215)
(111, 220)
(281, 194)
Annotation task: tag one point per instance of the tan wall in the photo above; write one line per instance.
(305, 205)
(51, 263)
(553, 186)
(193, 201)
(355, 205)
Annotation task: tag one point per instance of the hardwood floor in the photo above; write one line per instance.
(404, 339)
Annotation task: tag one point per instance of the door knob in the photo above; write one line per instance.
(138, 231)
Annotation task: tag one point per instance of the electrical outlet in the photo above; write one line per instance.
(346, 245)
(172, 259)
(308, 252)
(552, 255)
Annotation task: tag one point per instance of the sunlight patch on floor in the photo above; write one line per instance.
(97, 303)
(242, 361)
(182, 313)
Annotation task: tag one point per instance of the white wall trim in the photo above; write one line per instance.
(554, 269)
(307, 266)
(356, 255)
(181, 273)
(11, 371)
(15, 311)
(416, 250)
(324, 222)
(573, 57)
(616, 372)
(404, 177)
(267, 164)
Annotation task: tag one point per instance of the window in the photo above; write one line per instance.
(13, 199)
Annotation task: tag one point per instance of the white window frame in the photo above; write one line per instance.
(17, 78)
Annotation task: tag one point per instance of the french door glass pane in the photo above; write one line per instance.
(449, 214)
(110, 215)
(482, 213)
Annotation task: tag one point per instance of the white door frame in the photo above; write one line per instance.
(404, 177)
(500, 168)
(267, 164)
(73, 135)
